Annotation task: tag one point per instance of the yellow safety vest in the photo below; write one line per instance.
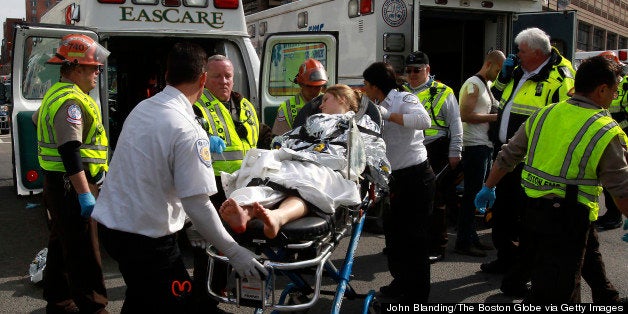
(94, 148)
(619, 106)
(295, 103)
(433, 99)
(554, 160)
(221, 124)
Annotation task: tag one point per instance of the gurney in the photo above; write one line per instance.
(301, 252)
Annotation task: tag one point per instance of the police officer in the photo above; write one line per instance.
(233, 127)
(570, 150)
(443, 141)
(161, 172)
(311, 79)
(619, 111)
(411, 187)
(72, 150)
(542, 77)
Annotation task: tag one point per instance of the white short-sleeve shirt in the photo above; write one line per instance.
(162, 155)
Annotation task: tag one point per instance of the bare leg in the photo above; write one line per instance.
(235, 215)
(291, 208)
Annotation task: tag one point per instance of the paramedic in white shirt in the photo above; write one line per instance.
(411, 186)
(161, 171)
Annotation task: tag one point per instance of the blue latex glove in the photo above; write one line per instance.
(485, 198)
(216, 144)
(509, 65)
(87, 202)
(625, 237)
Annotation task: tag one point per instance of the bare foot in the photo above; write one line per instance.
(271, 222)
(235, 216)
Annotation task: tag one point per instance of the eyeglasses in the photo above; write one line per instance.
(414, 69)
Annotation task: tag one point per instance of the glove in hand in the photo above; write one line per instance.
(508, 66)
(384, 112)
(485, 198)
(244, 262)
(625, 237)
(216, 144)
(87, 202)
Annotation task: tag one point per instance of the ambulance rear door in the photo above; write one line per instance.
(282, 54)
(34, 44)
(560, 26)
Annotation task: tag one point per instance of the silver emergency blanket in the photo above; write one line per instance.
(312, 160)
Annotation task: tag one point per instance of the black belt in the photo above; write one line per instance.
(418, 167)
(266, 182)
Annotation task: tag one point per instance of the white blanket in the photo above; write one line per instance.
(312, 175)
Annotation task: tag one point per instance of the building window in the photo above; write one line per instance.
(598, 39)
(584, 33)
(611, 41)
(622, 43)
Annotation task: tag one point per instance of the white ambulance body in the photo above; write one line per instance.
(622, 55)
(456, 34)
(139, 35)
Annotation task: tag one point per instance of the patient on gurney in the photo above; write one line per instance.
(310, 170)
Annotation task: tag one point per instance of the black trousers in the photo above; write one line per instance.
(507, 212)
(444, 195)
(153, 270)
(73, 266)
(562, 246)
(405, 229)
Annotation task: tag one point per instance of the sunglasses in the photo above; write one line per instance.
(414, 69)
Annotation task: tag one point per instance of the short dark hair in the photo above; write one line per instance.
(596, 71)
(186, 63)
(382, 75)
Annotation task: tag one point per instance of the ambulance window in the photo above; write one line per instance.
(240, 76)
(195, 3)
(39, 75)
(285, 62)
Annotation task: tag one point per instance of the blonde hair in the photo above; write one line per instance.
(347, 95)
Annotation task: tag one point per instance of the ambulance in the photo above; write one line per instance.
(456, 34)
(139, 35)
(622, 55)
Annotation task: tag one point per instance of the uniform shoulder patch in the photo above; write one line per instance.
(411, 98)
(74, 114)
(202, 149)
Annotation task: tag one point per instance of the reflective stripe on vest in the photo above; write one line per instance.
(553, 161)
(428, 99)
(94, 148)
(222, 125)
(295, 103)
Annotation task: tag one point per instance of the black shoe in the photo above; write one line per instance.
(608, 224)
(471, 251)
(494, 267)
(436, 258)
(393, 290)
(483, 247)
(67, 306)
(518, 290)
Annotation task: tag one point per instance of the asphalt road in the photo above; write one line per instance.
(455, 280)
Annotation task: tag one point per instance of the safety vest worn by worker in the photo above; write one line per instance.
(619, 106)
(433, 99)
(94, 148)
(221, 124)
(294, 103)
(554, 161)
(541, 89)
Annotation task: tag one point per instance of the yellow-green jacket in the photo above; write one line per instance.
(221, 123)
(94, 148)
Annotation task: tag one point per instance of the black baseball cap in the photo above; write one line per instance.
(417, 57)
